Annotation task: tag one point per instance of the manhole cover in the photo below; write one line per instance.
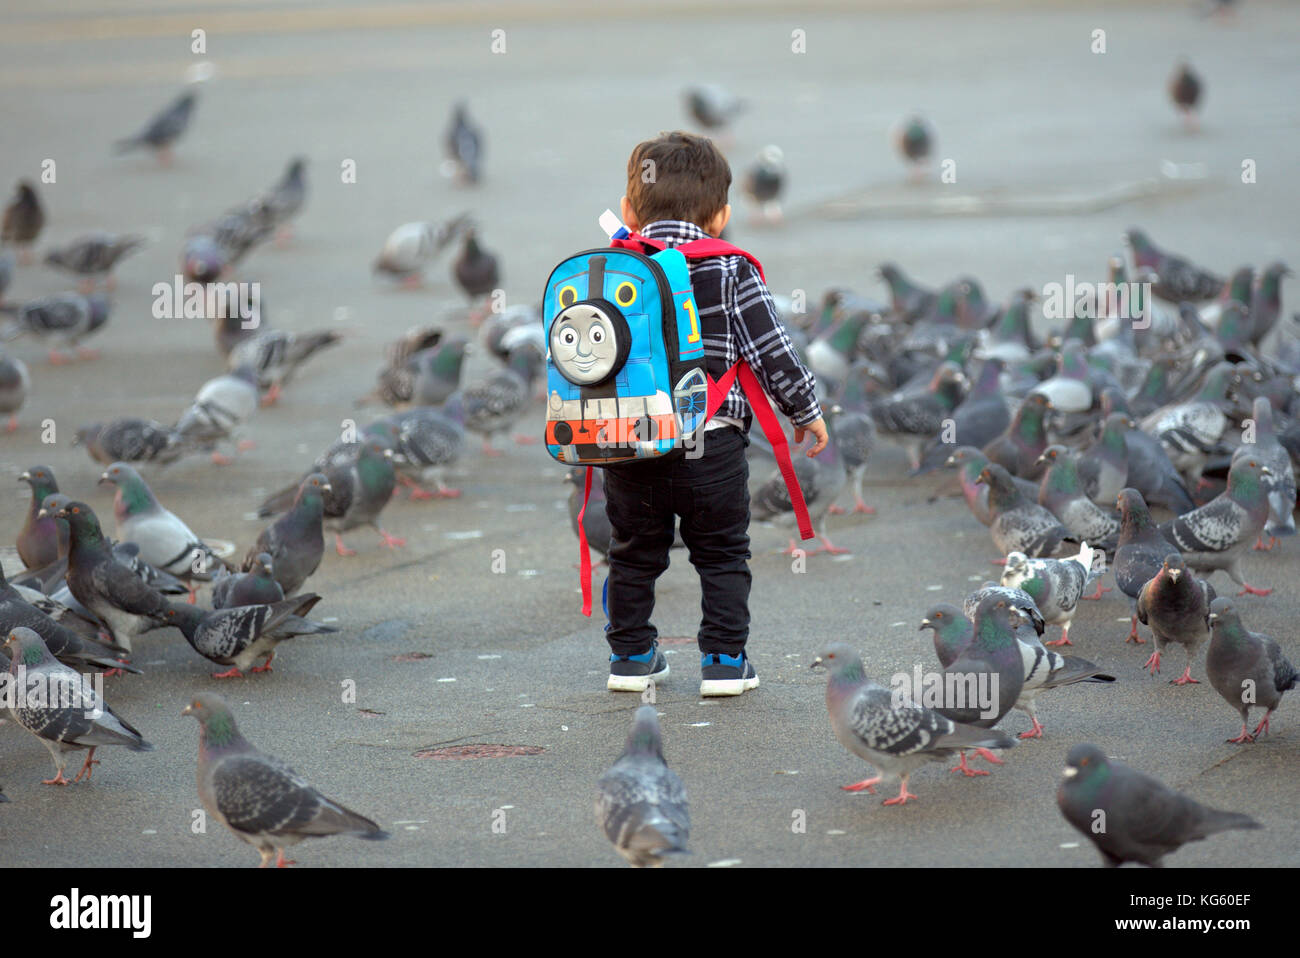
(479, 751)
(412, 657)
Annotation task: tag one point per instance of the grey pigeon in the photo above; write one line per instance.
(203, 260)
(908, 301)
(465, 146)
(67, 318)
(1192, 429)
(72, 716)
(713, 106)
(476, 271)
(295, 541)
(259, 798)
(257, 586)
(106, 587)
(1266, 304)
(1017, 450)
(893, 733)
(165, 541)
(640, 802)
(72, 648)
(1280, 485)
(494, 404)
(1055, 585)
(277, 354)
(984, 682)
(1246, 668)
(764, 181)
(1141, 551)
(413, 246)
(1152, 473)
(1130, 816)
(23, 220)
(855, 439)
(41, 541)
(1176, 605)
(1219, 533)
(1019, 524)
(1062, 493)
(1103, 466)
(94, 254)
(220, 408)
(358, 493)
(282, 202)
(131, 440)
(238, 230)
(969, 463)
(240, 636)
(821, 481)
(14, 384)
(914, 419)
(164, 129)
(980, 418)
(437, 372)
(1177, 279)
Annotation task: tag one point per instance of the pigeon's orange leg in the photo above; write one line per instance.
(87, 769)
(230, 673)
(867, 784)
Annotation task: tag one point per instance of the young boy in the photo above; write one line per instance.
(677, 189)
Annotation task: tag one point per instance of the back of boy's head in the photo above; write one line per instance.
(677, 176)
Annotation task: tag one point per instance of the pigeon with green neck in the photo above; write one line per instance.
(1018, 448)
(1176, 279)
(909, 302)
(1019, 524)
(240, 636)
(295, 541)
(969, 463)
(640, 802)
(358, 493)
(981, 417)
(1280, 486)
(1246, 668)
(41, 541)
(1061, 491)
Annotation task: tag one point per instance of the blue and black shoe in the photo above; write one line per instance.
(726, 674)
(634, 673)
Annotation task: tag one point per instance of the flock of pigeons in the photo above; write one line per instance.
(1175, 390)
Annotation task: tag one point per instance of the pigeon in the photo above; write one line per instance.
(413, 246)
(913, 419)
(14, 383)
(240, 636)
(93, 255)
(99, 581)
(276, 355)
(41, 541)
(1151, 472)
(203, 260)
(891, 732)
(1176, 605)
(1069, 390)
(66, 317)
(1103, 466)
(260, 799)
(908, 301)
(990, 666)
(914, 140)
(1130, 816)
(1185, 90)
(164, 129)
(821, 481)
(284, 201)
(1017, 450)
(1019, 524)
(238, 230)
(1246, 668)
(1192, 430)
(1266, 304)
(7, 263)
(221, 406)
(979, 419)
(1055, 585)
(295, 541)
(358, 493)
(165, 541)
(23, 220)
(1141, 550)
(437, 372)
(476, 271)
(257, 586)
(1217, 534)
(713, 106)
(3, 797)
(465, 147)
(425, 442)
(70, 647)
(1176, 279)
(131, 440)
(831, 353)
(640, 802)
(1061, 491)
(494, 404)
(765, 181)
(1280, 485)
(855, 438)
(70, 715)
(970, 462)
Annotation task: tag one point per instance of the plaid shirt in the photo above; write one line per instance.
(738, 319)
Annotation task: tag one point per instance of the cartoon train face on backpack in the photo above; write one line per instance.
(625, 376)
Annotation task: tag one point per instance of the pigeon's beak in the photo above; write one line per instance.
(188, 710)
(1265, 471)
(103, 479)
(1214, 617)
(925, 624)
(1175, 573)
(1069, 772)
(327, 488)
(951, 461)
(815, 662)
(25, 477)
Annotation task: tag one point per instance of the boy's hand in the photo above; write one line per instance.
(818, 428)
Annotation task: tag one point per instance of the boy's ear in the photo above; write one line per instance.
(719, 222)
(629, 215)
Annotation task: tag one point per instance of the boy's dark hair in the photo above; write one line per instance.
(677, 176)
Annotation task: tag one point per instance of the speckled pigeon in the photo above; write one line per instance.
(969, 463)
(1055, 585)
(259, 798)
(892, 732)
(1246, 668)
(821, 480)
(1280, 486)
(1062, 493)
(131, 440)
(240, 636)
(1177, 280)
(92, 255)
(69, 714)
(1130, 816)
(1019, 524)
(413, 246)
(640, 802)
(1176, 605)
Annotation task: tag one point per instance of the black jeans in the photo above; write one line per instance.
(711, 495)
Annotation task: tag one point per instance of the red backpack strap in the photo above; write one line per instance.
(584, 555)
(704, 248)
(771, 426)
(637, 242)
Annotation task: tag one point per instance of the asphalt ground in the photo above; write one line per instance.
(1019, 102)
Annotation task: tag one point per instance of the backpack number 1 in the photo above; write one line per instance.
(694, 337)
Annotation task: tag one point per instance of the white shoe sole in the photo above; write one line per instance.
(634, 683)
(716, 687)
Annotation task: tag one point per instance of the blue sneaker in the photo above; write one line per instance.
(726, 674)
(634, 673)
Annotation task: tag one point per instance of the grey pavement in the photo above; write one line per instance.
(1021, 105)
